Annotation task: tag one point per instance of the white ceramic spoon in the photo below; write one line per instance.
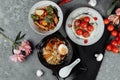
(65, 71)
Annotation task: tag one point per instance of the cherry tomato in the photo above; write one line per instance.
(115, 49)
(118, 42)
(119, 34)
(117, 38)
(95, 18)
(106, 21)
(90, 28)
(119, 28)
(86, 19)
(114, 43)
(109, 47)
(85, 41)
(77, 23)
(84, 24)
(114, 33)
(86, 34)
(110, 27)
(79, 32)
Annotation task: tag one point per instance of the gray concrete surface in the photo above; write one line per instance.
(14, 18)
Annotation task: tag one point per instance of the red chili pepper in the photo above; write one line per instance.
(63, 2)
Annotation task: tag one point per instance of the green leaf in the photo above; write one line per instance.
(49, 16)
(109, 11)
(47, 20)
(34, 17)
(18, 36)
(55, 10)
(21, 37)
(49, 9)
(1, 29)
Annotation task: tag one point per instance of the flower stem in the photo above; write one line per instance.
(114, 3)
(7, 38)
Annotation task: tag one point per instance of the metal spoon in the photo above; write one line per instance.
(65, 71)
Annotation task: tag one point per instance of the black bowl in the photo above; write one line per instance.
(66, 60)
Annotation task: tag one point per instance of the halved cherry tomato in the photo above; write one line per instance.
(79, 32)
(77, 23)
(110, 27)
(114, 43)
(86, 19)
(114, 33)
(86, 34)
(84, 24)
(115, 49)
(109, 47)
(106, 21)
(90, 28)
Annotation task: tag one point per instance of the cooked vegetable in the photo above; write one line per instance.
(35, 17)
(39, 12)
(40, 26)
(45, 18)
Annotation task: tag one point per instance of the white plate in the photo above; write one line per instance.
(43, 4)
(99, 29)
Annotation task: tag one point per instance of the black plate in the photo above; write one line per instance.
(43, 42)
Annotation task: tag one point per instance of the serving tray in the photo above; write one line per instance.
(88, 61)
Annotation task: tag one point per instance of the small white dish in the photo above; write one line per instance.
(99, 29)
(43, 4)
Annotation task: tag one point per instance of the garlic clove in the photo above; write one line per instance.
(92, 2)
(39, 73)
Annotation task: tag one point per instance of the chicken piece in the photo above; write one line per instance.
(40, 26)
(55, 19)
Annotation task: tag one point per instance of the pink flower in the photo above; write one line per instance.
(25, 46)
(17, 58)
(16, 51)
(118, 12)
(114, 18)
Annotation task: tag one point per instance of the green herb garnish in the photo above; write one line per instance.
(34, 17)
(47, 20)
(49, 9)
